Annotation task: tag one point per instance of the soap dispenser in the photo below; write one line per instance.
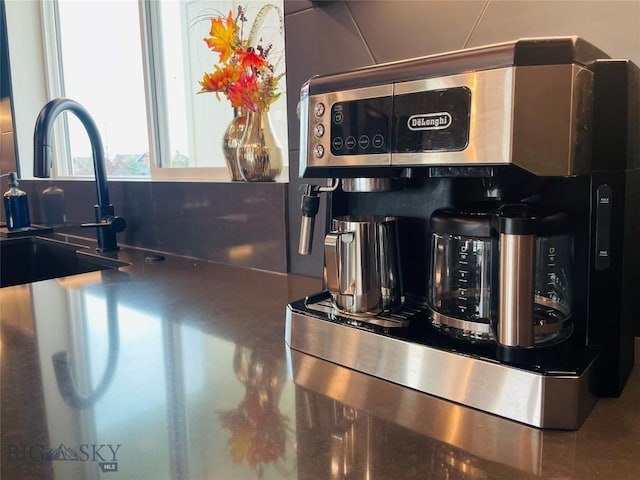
(16, 206)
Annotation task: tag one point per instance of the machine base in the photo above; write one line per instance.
(541, 396)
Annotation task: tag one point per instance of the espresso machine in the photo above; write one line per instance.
(480, 225)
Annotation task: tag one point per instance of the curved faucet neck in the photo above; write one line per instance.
(42, 143)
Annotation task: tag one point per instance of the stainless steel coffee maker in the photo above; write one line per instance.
(511, 172)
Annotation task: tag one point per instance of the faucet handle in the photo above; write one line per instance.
(107, 227)
(115, 223)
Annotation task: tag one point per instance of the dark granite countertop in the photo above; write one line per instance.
(178, 369)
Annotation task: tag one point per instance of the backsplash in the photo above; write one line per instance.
(238, 223)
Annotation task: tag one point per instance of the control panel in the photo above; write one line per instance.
(361, 127)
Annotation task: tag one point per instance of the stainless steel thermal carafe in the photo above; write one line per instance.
(362, 264)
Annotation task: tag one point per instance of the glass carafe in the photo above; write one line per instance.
(460, 294)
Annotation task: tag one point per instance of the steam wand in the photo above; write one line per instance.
(309, 206)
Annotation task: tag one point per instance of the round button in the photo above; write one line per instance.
(318, 151)
(337, 143)
(350, 142)
(318, 130)
(319, 109)
(378, 140)
(363, 141)
(338, 117)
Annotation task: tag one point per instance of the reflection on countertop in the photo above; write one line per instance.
(177, 369)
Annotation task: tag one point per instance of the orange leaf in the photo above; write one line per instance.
(250, 59)
(223, 38)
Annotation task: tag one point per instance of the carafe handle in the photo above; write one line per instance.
(517, 285)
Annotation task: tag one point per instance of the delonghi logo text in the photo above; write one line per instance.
(429, 121)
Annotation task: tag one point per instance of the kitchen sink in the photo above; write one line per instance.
(31, 259)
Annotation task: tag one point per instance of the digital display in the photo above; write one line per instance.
(361, 127)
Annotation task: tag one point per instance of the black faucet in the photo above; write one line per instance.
(107, 223)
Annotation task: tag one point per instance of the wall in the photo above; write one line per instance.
(330, 36)
(7, 146)
(28, 78)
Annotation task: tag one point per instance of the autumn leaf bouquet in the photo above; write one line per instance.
(258, 432)
(244, 75)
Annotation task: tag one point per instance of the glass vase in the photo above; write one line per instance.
(231, 141)
(260, 152)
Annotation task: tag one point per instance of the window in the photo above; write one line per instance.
(100, 66)
(135, 66)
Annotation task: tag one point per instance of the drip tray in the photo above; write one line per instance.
(322, 306)
(379, 346)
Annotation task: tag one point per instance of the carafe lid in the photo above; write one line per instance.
(523, 219)
(483, 220)
(473, 222)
